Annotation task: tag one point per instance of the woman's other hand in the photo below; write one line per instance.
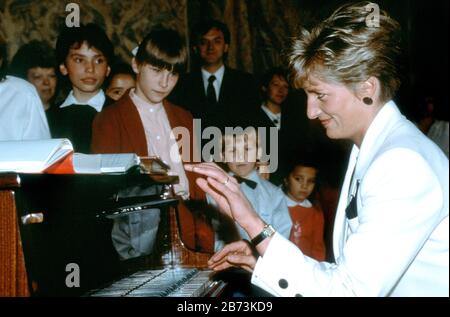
(236, 254)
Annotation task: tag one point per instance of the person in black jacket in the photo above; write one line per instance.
(83, 55)
(217, 94)
(282, 117)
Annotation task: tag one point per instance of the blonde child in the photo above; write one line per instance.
(240, 157)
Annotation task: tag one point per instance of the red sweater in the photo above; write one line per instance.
(307, 231)
(119, 129)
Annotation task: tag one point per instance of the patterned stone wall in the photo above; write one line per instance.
(259, 29)
(125, 22)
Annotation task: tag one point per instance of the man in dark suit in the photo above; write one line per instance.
(213, 92)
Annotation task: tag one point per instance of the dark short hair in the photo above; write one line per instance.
(30, 55)
(206, 25)
(303, 157)
(119, 67)
(122, 68)
(90, 33)
(275, 71)
(163, 48)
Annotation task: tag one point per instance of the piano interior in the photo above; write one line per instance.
(167, 282)
(86, 235)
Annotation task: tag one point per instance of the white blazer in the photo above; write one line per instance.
(398, 245)
(22, 116)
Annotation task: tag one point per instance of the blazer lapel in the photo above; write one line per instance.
(360, 160)
(226, 85)
(133, 126)
(340, 222)
(267, 121)
(198, 85)
(196, 93)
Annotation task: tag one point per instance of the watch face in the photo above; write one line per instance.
(267, 232)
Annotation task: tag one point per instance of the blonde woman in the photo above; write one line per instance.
(391, 229)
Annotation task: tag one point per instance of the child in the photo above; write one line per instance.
(274, 92)
(143, 121)
(121, 79)
(240, 153)
(308, 220)
(83, 55)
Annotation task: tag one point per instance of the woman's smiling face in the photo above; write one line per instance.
(337, 108)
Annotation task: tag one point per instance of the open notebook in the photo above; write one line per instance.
(56, 156)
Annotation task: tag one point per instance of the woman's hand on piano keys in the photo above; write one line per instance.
(236, 254)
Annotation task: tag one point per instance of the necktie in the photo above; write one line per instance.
(210, 91)
(248, 182)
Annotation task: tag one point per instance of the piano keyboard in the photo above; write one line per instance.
(177, 282)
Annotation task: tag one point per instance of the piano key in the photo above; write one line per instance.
(177, 282)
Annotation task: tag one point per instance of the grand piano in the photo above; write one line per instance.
(56, 238)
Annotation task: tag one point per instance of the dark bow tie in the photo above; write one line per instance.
(248, 182)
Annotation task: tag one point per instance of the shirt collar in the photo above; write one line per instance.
(143, 104)
(254, 176)
(292, 203)
(219, 75)
(95, 102)
(272, 116)
(270, 113)
(249, 182)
